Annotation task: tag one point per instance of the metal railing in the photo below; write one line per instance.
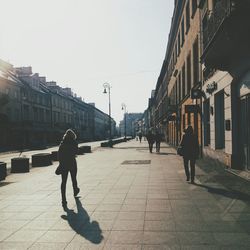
(221, 11)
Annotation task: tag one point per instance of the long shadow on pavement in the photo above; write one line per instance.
(80, 222)
(233, 194)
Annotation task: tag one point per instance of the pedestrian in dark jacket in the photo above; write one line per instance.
(151, 139)
(158, 138)
(67, 152)
(190, 147)
(140, 136)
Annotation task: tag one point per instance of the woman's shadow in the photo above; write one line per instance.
(80, 222)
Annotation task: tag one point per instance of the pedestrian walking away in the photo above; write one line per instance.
(151, 139)
(67, 159)
(190, 151)
(158, 138)
(140, 136)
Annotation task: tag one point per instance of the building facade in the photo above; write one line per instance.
(35, 113)
(180, 74)
(226, 72)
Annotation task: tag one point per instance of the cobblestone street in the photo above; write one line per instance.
(129, 199)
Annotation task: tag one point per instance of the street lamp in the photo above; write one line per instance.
(124, 107)
(108, 86)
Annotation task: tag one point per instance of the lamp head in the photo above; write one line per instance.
(104, 91)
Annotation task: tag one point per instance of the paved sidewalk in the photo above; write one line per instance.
(129, 199)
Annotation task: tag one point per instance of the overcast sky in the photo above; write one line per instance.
(83, 43)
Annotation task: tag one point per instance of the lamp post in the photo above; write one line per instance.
(124, 107)
(108, 86)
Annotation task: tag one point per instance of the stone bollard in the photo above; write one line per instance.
(3, 170)
(20, 165)
(41, 160)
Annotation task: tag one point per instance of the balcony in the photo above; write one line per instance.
(225, 34)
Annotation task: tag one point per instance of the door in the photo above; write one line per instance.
(245, 131)
(206, 119)
(219, 121)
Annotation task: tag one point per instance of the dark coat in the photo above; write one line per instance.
(150, 137)
(190, 146)
(67, 152)
(158, 137)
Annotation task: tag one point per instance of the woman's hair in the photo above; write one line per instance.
(189, 130)
(69, 134)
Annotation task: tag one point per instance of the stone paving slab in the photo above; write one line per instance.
(125, 206)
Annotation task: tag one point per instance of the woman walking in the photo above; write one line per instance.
(158, 138)
(67, 152)
(190, 150)
(151, 139)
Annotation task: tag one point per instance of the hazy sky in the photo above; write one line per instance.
(84, 43)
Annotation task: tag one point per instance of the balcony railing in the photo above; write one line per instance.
(221, 11)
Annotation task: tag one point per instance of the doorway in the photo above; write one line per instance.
(244, 131)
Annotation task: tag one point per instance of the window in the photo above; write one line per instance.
(183, 81)
(195, 62)
(177, 91)
(35, 114)
(179, 43)
(176, 52)
(188, 73)
(194, 7)
(47, 115)
(54, 116)
(187, 17)
(182, 32)
(26, 112)
(179, 83)
(183, 121)
(16, 114)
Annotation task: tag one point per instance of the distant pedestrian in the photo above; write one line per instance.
(190, 151)
(140, 136)
(67, 153)
(151, 139)
(158, 138)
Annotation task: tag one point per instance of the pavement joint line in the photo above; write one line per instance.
(229, 207)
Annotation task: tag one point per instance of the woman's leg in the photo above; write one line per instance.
(150, 147)
(73, 174)
(192, 166)
(186, 160)
(63, 185)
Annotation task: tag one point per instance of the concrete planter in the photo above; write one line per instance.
(85, 149)
(3, 170)
(54, 156)
(80, 151)
(41, 160)
(20, 165)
